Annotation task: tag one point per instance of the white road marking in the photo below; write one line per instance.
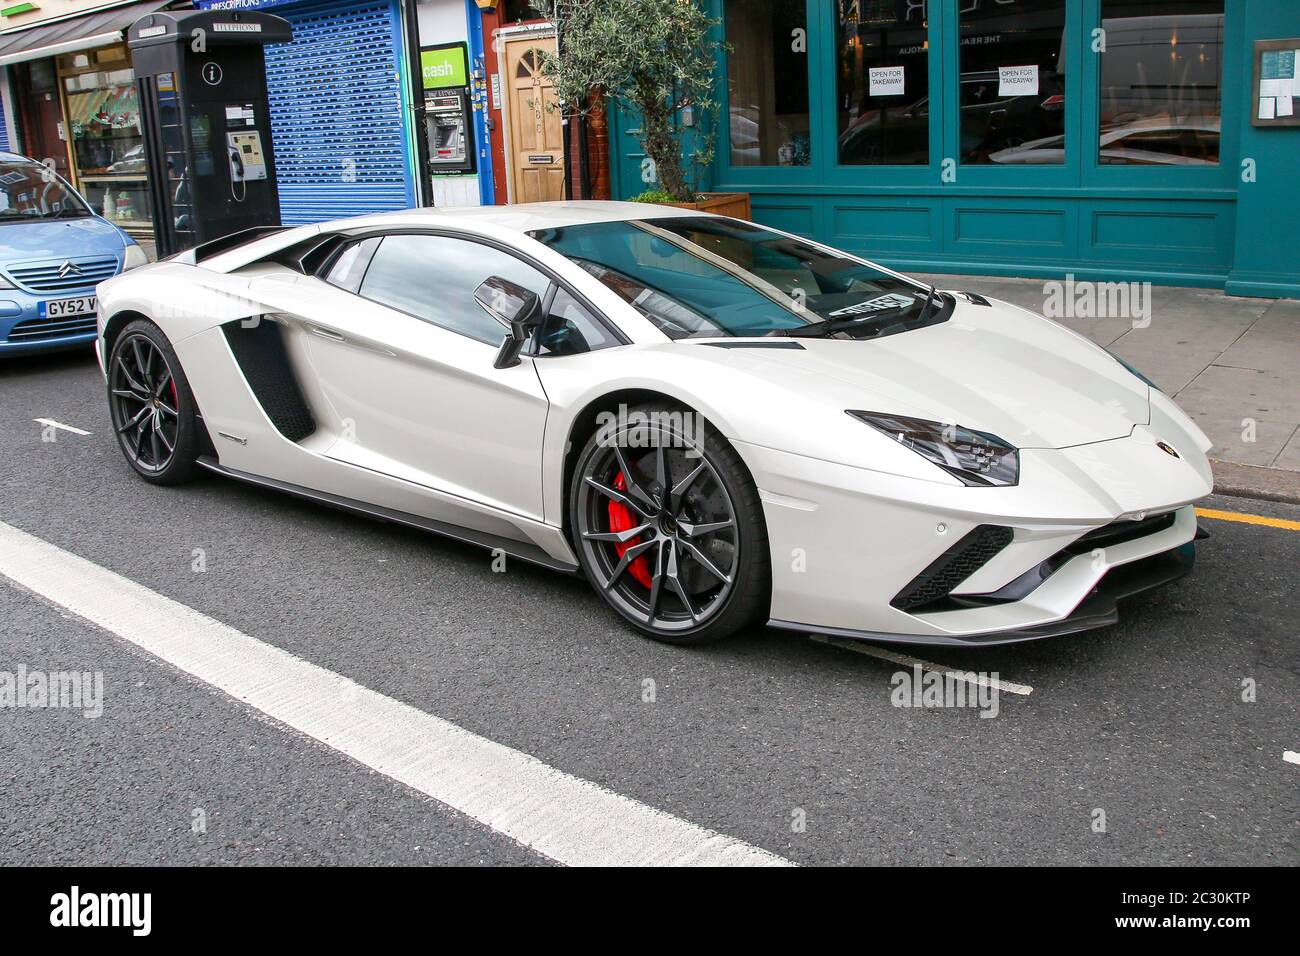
(1290, 756)
(67, 428)
(570, 820)
(970, 677)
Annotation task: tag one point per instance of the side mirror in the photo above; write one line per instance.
(516, 308)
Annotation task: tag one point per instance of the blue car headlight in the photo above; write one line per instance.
(133, 257)
(977, 458)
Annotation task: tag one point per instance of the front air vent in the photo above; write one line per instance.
(260, 352)
(928, 590)
(1117, 532)
(45, 330)
(778, 344)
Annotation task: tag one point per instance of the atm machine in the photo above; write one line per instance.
(450, 130)
(201, 79)
(448, 112)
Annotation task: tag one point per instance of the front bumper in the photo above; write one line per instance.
(847, 543)
(23, 330)
(1099, 608)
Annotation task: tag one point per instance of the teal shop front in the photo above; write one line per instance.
(1110, 139)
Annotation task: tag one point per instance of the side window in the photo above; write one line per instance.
(570, 329)
(434, 277)
(350, 267)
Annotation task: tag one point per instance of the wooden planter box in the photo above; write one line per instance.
(735, 205)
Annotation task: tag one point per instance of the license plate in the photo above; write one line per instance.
(65, 308)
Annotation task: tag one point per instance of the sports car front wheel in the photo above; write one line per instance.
(152, 408)
(668, 526)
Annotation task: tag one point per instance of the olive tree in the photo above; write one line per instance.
(654, 58)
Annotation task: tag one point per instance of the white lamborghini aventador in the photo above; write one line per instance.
(715, 422)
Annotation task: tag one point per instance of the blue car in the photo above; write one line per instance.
(53, 252)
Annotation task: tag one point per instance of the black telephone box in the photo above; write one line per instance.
(201, 78)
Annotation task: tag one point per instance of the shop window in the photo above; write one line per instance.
(1161, 82)
(767, 77)
(107, 146)
(883, 83)
(1012, 95)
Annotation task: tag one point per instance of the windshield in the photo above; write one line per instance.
(31, 191)
(697, 277)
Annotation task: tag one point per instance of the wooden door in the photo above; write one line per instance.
(536, 150)
(43, 121)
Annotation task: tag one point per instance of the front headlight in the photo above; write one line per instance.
(134, 257)
(977, 458)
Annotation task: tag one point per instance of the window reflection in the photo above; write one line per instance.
(1161, 82)
(767, 76)
(883, 83)
(1012, 92)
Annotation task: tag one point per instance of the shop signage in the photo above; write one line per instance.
(444, 66)
(239, 4)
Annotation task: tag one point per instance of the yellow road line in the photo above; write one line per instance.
(1248, 519)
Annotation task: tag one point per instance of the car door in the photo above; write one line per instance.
(402, 356)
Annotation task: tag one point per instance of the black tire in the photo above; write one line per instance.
(152, 407)
(700, 578)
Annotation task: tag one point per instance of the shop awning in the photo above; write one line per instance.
(75, 33)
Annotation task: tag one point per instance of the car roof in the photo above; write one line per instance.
(505, 221)
(525, 217)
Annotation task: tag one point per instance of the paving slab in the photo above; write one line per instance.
(1229, 434)
(1289, 458)
(1269, 395)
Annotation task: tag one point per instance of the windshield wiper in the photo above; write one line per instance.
(825, 327)
(68, 212)
(925, 309)
(877, 322)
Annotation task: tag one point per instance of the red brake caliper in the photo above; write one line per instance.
(620, 519)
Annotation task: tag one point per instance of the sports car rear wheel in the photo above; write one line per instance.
(667, 524)
(151, 405)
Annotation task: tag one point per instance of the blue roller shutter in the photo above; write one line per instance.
(4, 130)
(336, 112)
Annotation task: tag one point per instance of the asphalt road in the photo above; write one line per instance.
(1144, 721)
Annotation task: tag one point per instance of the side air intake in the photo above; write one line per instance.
(260, 351)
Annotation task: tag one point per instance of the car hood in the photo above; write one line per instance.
(44, 239)
(994, 368)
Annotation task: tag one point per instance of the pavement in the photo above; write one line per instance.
(1162, 740)
(1231, 363)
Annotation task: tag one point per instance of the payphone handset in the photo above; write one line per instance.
(247, 162)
